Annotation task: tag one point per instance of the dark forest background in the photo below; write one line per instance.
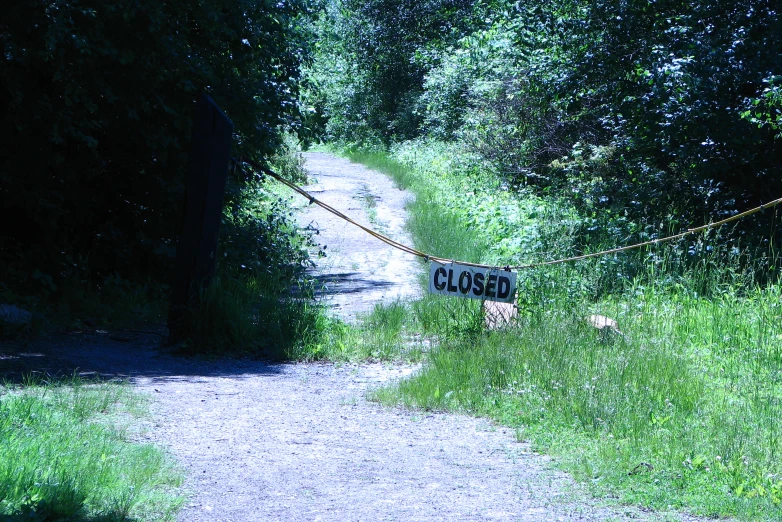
(96, 100)
(640, 113)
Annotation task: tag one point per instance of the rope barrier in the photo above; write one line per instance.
(656, 241)
(313, 199)
(410, 250)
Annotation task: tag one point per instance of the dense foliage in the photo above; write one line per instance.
(648, 116)
(372, 58)
(96, 99)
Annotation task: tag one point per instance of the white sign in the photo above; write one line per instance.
(488, 284)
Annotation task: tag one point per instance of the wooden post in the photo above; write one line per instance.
(196, 250)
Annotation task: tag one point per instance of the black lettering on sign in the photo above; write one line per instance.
(478, 281)
(503, 287)
(440, 285)
(465, 282)
(491, 286)
(451, 286)
(458, 280)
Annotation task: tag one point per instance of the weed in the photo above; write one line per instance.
(65, 454)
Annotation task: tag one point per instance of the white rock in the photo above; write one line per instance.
(601, 322)
(605, 325)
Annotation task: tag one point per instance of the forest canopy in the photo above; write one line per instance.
(643, 114)
(637, 111)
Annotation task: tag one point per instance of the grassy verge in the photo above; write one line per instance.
(66, 453)
(385, 334)
(681, 409)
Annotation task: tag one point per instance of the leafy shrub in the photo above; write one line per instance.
(647, 117)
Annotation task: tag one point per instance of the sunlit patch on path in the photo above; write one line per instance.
(358, 270)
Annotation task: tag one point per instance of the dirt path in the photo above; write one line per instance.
(359, 270)
(300, 442)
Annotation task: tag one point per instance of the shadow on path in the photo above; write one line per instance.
(346, 283)
(100, 355)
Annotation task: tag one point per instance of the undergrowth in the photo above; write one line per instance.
(678, 408)
(67, 452)
(260, 301)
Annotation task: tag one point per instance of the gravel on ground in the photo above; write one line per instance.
(359, 271)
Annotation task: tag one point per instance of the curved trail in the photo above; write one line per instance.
(358, 270)
(300, 442)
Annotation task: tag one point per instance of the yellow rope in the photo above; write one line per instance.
(413, 251)
(655, 241)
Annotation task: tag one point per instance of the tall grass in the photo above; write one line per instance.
(250, 315)
(680, 409)
(66, 453)
(387, 333)
(692, 396)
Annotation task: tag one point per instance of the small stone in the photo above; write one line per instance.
(602, 322)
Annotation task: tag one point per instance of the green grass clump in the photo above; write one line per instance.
(243, 314)
(66, 453)
(680, 409)
(387, 333)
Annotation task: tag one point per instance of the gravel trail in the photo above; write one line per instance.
(301, 442)
(359, 270)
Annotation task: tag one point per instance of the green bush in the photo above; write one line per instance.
(645, 117)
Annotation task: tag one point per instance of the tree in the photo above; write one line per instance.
(96, 99)
(372, 59)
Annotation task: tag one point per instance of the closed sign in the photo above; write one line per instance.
(488, 284)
